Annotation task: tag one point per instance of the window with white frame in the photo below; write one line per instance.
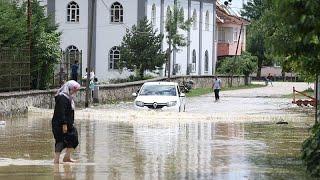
(207, 20)
(195, 18)
(72, 48)
(153, 15)
(114, 57)
(221, 34)
(235, 34)
(206, 61)
(116, 13)
(73, 12)
(194, 61)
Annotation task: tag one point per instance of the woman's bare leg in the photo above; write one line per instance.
(56, 158)
(67, 156)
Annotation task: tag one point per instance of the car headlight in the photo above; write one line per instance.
(139, 103)
(171, 103)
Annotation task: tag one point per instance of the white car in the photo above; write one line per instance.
(160, 95)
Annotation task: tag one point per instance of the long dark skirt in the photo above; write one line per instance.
(67, 140)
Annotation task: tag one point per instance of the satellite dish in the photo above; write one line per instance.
(228, 2)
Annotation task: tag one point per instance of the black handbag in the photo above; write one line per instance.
(71, 138)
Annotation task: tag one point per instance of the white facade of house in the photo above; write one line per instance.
(108, 35)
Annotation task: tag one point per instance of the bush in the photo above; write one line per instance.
(131, 78)
(311, 151)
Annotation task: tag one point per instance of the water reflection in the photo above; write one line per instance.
(176, 149)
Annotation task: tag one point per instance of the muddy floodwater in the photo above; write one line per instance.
(237, 138)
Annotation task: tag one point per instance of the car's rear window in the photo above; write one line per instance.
(158, 90)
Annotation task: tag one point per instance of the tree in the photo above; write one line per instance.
(298, 24)
(245, 64)
(256, 43)
(229, 66)
(45, 39)
(175, 22)
(45, 47)
(13, 25)
(255, 9)
(141, 48)
(248, 65)
(298, 28)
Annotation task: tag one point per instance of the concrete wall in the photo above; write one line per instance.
(12, 103)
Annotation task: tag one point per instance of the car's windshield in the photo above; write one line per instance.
(158, 90)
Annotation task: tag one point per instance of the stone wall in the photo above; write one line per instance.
(18, 102)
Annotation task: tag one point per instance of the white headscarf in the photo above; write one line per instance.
(65, 90)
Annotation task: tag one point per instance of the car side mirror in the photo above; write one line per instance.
(134, 94)
(182, 95)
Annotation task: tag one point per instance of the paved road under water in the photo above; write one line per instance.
(236, 138)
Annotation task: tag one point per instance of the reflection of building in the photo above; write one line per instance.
(193, 151)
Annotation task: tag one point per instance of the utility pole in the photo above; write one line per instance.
(239, 39)
(90, 48)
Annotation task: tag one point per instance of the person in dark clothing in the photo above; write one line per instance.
(216, 86)
(269, 79)
(74, 71)
(64, 132)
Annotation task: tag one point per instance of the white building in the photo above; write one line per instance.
(113, 17)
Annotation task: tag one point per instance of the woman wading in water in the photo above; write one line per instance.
(65, 134)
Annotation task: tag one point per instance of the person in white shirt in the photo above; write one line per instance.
(91, 74)
(216, 86)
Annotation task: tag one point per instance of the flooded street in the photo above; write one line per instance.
(236, 138)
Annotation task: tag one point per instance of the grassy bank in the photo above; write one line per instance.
(202, 91)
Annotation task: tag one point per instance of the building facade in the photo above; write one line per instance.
(113, 17)
(231, 32)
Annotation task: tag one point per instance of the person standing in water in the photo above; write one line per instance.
(216, 86)
(64, 132)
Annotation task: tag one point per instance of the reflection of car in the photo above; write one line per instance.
(160, 95)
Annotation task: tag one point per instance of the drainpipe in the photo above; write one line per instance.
(214, 55)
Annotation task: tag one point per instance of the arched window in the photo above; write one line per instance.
(114, 57)
(116, 13)
(207, 20)
(72, 48)
(153, 15)
(73, 12)
(206, 61)
(194, 61)
(195, 18)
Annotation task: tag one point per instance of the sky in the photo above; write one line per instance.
(236, 5)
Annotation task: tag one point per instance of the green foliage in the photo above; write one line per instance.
(295, 34)
(244, 64)
(311, 152)
(12, 25)
(141, 48)
(248, 63)
(45, 47)
(45, 39)
(229, 66)
(174, 23)
(255, 9)
(256, 34)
